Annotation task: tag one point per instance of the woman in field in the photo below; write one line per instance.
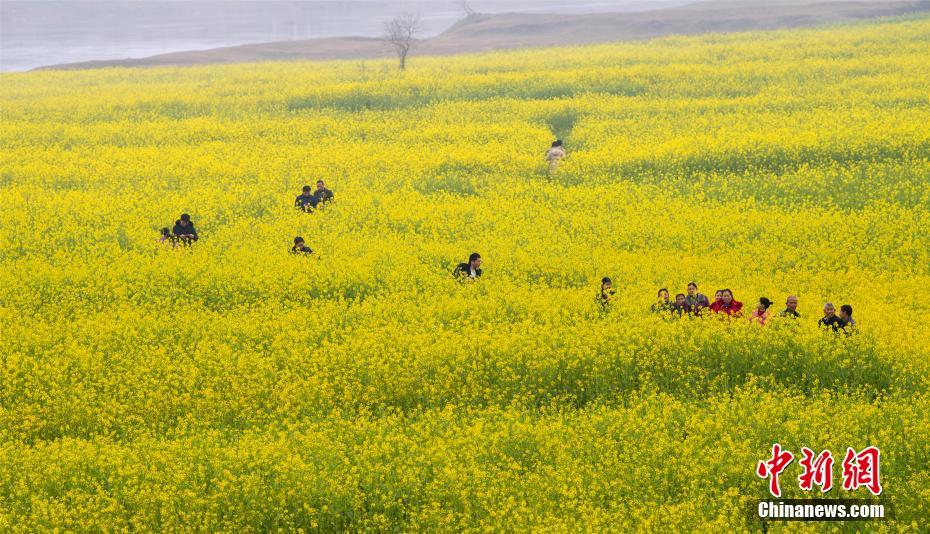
(555, 154)
(761, 313)
(727, 304)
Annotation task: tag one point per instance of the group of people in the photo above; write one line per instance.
(695, 303)
(309, 200)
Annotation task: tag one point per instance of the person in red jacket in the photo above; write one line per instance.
(727, 304)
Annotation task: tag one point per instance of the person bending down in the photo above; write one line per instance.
(184, 230)
(300, 248)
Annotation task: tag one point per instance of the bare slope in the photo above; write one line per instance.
(515, 30)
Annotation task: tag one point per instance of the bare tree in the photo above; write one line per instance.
(466, 7)
(401, 32)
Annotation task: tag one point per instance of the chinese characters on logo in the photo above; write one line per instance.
(859, 469)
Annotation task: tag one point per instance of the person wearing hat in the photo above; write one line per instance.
(184, 230)
(761, 313)
(554, 154)
(300, 248)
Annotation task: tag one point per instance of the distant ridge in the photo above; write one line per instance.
(481, 32)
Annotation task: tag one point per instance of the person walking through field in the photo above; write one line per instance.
(471, 270)
(555, 154)
(305, 201)
(322, 195)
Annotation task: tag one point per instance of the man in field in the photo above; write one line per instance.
(830, 319)
(305, 201)
(849, 324)
(696, 301)
(470, 270)
(321, 195)
(791, 308)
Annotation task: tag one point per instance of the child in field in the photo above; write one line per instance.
(470, 270)
(761, 313)
(184, 231)
(555, 154)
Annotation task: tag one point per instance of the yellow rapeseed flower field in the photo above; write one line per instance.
(233, 386)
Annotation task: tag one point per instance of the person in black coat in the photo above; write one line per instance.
(321, 195)
(184, 230)
(830, 319)
(300, 248)
(470, 269)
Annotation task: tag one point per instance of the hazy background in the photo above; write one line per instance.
(34, 33)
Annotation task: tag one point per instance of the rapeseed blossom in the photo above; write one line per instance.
(231, 386)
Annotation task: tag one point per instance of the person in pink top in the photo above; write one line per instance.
(761, 313)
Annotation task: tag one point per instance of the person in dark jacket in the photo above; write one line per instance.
(849, 324)
(606, 297)
(791, 308)
(681, 306)
(470, 269)
(306, 201)
(830, 319)
(696, 301)
(184, 230)
(322, 195)
(300, 248)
